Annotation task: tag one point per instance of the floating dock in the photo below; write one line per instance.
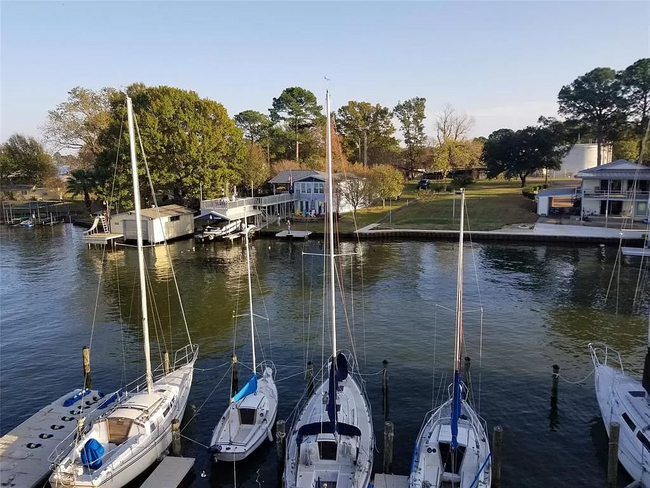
(635, 251)
(390, 481)
(24, 451)
(101, 238)
(294, 234)
(169, 473)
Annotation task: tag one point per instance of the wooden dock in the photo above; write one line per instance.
(24, 451)
(294, 234)
(390, 481)
(101, 238)
(169, 473)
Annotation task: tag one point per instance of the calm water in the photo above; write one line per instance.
(542, 305)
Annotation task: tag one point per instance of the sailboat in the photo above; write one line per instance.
(331, 442)
(133, 434)
(250, 417)
(452, 448)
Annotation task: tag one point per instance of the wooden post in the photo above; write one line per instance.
(556, 375)
(166, 362)
(497, 445)
(310, 379)
(281, 444)
(176, 437)
(86, 361)
(612, 456)
(384, 387)
(234, 376)
(389, 435)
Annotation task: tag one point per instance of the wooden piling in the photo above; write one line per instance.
(310, 379)
(497, 448)
(612, 457)
(281, 445)
(389, 436)
(234, 375)
(85, 352)
(166, 362)
(384, 388)
(176, 437)
(556, 376)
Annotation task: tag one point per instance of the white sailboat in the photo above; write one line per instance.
(121, 444)
(331, 442)
(250, 417)
(452, 448)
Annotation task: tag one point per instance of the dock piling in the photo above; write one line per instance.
(166, 362)
(612, 456)
(86, 362)
(389, 436)
(497, 448)
(281, 444)
(553, 415)
(176, 437)
(234, 376)
(310, 378)
(384, 387)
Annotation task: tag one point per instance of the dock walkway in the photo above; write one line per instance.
(169, 473)
(294, 234)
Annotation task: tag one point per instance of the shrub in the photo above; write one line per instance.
(530, 192)
(438, 187)
(462, 181)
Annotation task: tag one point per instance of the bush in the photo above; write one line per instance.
(462, 181)
(530, 192)
(438, 187)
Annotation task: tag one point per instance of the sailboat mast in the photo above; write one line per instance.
(459, 288)
(250, 297)
(138, 226)
(330, 211)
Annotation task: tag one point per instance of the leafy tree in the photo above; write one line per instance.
(188, 141)
(365, 128)
(299, 111)
(386, 182)
(635, 80)
(628, 149)
(24, 160)
(78, 122)
(283, 165)
(410, 113)
(82, 182)
(518, 154)
(595, 100)
(458, 154)
(256, 170)
(254, 124)
(356, 187)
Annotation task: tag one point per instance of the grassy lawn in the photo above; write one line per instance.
(491, 204)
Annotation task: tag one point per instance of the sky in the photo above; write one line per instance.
(501, 62)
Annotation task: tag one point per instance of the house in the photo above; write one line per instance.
(158, 223)
(620, 188)
(20, 192)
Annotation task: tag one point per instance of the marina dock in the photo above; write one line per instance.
(169, 473)
(24, 451)
(101, 238)
(390, 481)
(294, 234)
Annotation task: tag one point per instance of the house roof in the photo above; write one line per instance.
(282, 178)
(165, 211)
(557, 192)
(621, 169)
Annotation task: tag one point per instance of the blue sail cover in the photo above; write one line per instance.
(338, 372)
(326, 428)
(91, 454)
(250, 387)
(455, 410)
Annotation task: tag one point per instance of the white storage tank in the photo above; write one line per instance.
(583, 156)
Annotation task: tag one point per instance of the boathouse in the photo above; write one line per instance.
(158, 223)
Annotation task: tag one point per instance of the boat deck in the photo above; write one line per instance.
(24, 451)
(169, 473)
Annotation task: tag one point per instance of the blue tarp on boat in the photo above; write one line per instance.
(91, 454)
(250, 387)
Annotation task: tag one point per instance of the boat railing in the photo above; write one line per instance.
(186, 355)
(602, 354)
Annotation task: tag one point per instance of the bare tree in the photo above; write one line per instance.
(452, 125)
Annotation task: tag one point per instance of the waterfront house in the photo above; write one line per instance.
(158, 223)
(620, 188)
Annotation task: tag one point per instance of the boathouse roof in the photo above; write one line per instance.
(282, 178)
(621, 169)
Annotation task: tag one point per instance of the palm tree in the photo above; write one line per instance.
(82, 181)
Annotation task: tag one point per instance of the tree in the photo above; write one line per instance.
(254, 124)
(595, 100)
(78, 122)
(188, 141)
(365, 128)
(24, 160)
(635, 80)
(256, 170)
(299, 111)
(386, 182)
(410, 114)
(284, 165)
(452, 125)
(356, 187)
(82, 182)
(518, 154)
(459, 154)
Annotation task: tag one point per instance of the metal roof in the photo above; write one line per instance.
(557, 192)
(621, 169)
(282, 178)
(165, 211)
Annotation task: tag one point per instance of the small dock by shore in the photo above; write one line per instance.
(294, 234)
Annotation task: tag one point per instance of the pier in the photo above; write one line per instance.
(169, 473)
(294, 234)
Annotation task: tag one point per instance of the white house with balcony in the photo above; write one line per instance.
(617, 189)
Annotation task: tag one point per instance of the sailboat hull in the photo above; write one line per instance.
(621, 399)
(434, 465)
(146, 442)
(309, 462)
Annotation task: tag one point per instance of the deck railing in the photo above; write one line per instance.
(617, 195)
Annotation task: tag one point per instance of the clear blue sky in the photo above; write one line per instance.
(502, 62)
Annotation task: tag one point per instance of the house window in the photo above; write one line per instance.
(308, 188)
(175, 218)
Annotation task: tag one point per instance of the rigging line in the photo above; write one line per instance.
(339, 277)
(117, 155)
(435, 347)
(169, 258)
(203, 370)
(94, 321)
(616, 262)
(290, 376)
(578, 381)
(266, 311)
(206, 400)
(121, 319)
(157, 322)
(302, 280)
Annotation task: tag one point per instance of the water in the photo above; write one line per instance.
(542, 305)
